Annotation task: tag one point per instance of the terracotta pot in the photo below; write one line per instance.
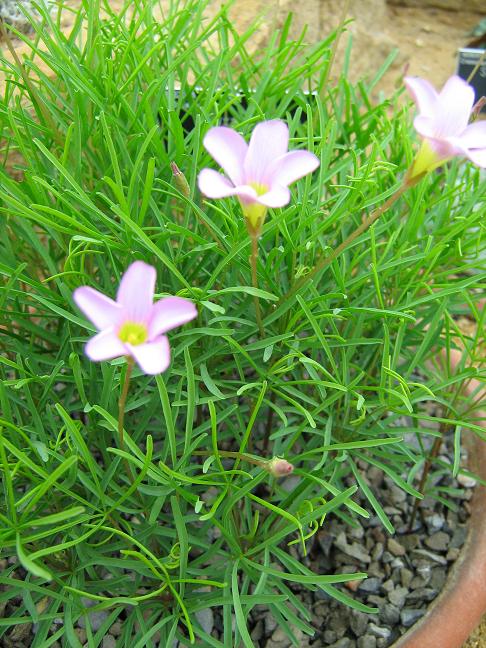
(457, 611)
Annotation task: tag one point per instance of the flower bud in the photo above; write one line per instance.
(278, 467)
(180, 180)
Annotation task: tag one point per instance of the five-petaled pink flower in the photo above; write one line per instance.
(133, 325)
(443, 124)
(259, 172)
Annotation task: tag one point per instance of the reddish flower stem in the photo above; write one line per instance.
(121, 414)
(254, 279)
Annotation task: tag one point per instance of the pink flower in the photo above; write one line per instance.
(258, 173)
(443, 124)
(133, 325)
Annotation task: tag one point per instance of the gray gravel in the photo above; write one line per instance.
(12, 14)
(406, 571)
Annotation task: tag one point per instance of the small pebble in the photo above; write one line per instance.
(377, 551)
(395, 547)
(370, 585)
(109, 641)
(422, 594)
(340, 623)
(96, 619)
(406, 577)
(431, 556)
(375, 569)
(397, 563)
(354, 550)
(356, 532)
(419, 581)
(377, 601)
(387, 557)
(453, 554)
(358, 622)
(390, 614)
(438, 541)
(325, 542)
(434, 522)
(378, 631)
(458, 537)
(280, 639)
(368, 641)
(410, 541)
(465, 481)
(409, 616)
(205, 618)
(329, 637)
(388, 585)
(398, 596)
(258, 631)
(345, 642)
(271, 622)
(398, 495)
(438, 578)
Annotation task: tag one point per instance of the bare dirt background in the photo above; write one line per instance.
(426, 37)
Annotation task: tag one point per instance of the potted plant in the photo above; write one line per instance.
(179, 342)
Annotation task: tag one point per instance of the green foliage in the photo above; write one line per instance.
(337, 384)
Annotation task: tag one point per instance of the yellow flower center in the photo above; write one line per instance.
(259, 188)
(133, 333)
(425, 161)
(254, 212)
(255, 215)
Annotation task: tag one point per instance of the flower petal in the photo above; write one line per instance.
(424, 126)
(98, 308)
(446, 148)
(278, 196)
(269, 141)
(152, 357)
(136, 291)
(214, 185)
(105, 346)
(478, 156)
(170, 312)
(229, 149)
(292, 166)
(474, 137)
(424, 95)
(454, 107)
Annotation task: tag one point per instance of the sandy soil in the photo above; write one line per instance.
(478, 637)
(428, 39)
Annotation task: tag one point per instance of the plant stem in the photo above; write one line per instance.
(325, 261)
(233, 455)
(123, 400)
(268, 426)
(425, 473)
(254, 279)
(121, 414)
